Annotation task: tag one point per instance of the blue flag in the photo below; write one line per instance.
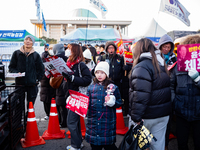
(44, 23)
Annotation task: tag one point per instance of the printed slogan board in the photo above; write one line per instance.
(78, 103)
(188, 57)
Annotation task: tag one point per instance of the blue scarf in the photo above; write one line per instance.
(166, 56)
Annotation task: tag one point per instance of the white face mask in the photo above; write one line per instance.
(68, 52)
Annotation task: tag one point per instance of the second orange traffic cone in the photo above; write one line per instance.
(32, 137)
(83, 129)
(120, 125)
(53, 131)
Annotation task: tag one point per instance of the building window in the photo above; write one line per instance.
(95, 26)
(107, 26)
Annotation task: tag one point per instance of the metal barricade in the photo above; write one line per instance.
(13, 95)
(5, 59)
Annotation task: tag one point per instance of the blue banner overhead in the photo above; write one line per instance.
(12, 34)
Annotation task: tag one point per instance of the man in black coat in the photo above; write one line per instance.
(27, 60)
(116, 63)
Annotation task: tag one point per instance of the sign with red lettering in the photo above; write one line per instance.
(78, 103)
(188, 57)
(128, 57)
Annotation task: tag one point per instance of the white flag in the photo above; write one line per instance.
(37, 4)
(99, 5)
(176, 9)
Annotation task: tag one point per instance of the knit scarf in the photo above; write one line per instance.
(166, 56)
(71, 64)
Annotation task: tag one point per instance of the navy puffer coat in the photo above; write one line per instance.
(185, 95)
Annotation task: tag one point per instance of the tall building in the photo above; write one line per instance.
(81, 18)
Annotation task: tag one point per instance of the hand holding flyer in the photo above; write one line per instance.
(14, 75)
(56, 65)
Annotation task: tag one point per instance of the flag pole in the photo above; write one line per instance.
(123, 53)
(86, 27)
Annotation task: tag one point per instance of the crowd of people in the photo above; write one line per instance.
(147, 90)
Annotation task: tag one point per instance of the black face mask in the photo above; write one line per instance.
(87, 61)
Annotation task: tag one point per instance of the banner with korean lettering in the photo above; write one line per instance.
(128, 57)
(176, 9)
(188, 56)
(78, 103)
(12, 34)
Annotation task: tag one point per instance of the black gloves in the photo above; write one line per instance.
(126, 67)
(68, 76)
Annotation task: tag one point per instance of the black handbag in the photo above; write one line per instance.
(137, 137)
(130, 140)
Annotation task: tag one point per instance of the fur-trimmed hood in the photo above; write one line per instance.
(110, 43)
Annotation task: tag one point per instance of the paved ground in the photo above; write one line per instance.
(60, 144)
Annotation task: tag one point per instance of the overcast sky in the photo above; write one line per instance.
(16, 14)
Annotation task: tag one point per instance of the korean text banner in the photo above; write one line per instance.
(12, 34)
(188, 57)
(78, 103)
(176, 9)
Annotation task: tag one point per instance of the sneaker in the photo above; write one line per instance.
(71, 148)
(46, 117)
(68, 147)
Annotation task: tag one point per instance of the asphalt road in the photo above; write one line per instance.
(60, 144)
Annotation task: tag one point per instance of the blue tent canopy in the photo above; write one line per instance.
(93, 34)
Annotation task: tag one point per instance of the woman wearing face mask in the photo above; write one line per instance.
(72, 82)
(88, 59)
(68, 50)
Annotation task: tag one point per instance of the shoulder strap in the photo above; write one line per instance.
(79, 69)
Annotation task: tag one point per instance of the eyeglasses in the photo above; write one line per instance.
(110, 47)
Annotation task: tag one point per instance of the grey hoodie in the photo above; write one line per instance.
(166, 39)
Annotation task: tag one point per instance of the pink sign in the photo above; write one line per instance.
(188, 57)
(78, 103)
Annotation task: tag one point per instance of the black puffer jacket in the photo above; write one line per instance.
(31, 64)
(116, 63)
(185, 95)
(149, 95)
(84, 81)
(46, 92)
(45, 54)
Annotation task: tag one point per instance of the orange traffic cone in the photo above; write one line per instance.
(53, 131)
(120, 125)
(83, 129)
(32, 137)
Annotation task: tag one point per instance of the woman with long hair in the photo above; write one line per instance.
(73, 82)
(149, 93)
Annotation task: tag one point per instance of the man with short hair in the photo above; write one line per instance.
(27, 60)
